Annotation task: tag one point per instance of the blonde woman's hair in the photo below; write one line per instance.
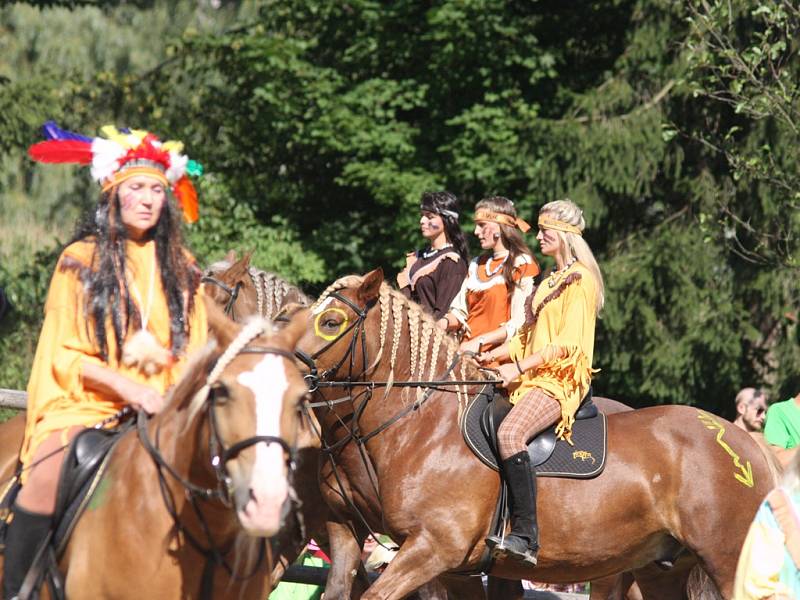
(574, 244)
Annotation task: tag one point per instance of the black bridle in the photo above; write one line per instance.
(233, 293)
(350, 422)
(220, 455)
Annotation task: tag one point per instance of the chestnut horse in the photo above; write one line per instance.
(199, 486)
(243, 290)
(677, 479)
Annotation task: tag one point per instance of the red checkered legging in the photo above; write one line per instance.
(532, 414)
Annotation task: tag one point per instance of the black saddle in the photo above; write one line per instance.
(549, 456)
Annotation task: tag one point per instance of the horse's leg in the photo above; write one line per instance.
(615, 587)
(415, 564)
(463, 587)
(505, 589)
(657, 584)
(345, 561)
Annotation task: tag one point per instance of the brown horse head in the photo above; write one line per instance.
(361, 327)
(247, 384)
(242, 290)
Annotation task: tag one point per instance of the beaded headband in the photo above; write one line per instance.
(546, 222)
(484, 214)
(442, 212)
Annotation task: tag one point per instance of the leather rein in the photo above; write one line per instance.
(220, 455)
(350, 422)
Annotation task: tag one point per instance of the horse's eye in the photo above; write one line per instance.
(331, 323)
(220, 392)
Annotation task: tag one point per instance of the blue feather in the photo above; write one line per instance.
(52, 131)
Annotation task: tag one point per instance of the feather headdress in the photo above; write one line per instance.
(121, 154)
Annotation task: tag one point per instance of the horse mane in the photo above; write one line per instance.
(426, 340)
(271, 289)
(200, 362)
(253, 328)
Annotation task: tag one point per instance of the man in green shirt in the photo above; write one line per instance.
(783, 423)
(751, 409)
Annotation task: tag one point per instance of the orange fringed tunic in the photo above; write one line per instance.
(57, 399)
(482, 303)
(563, 317)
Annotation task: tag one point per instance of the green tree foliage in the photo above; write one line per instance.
(321, 123)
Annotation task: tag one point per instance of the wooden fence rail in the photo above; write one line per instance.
(13, 399)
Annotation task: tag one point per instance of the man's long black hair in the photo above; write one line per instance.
(105, 283)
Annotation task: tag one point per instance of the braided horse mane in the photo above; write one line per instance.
(427, 342)
(272, 292)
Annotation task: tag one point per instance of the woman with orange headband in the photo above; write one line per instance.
(122, 312)
(489, 308)
(551, 368)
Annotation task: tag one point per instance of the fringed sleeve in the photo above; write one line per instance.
(458, 307)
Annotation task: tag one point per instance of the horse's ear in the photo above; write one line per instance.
(371, 286)
(220, 326)
(238, 269)
(285, 314)
(230, 257)
(291, 333)
(246, 258)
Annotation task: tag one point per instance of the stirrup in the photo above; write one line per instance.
(514, 547)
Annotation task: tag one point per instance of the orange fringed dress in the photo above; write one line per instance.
(563, 316)
(57, 399)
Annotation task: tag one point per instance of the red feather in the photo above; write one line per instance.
(62, 151)
(187, 197)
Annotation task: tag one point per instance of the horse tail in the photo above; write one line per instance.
(699, 586)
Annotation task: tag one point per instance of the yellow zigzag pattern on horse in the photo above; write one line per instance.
(746, 478)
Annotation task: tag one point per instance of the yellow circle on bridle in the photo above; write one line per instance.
(329, 337)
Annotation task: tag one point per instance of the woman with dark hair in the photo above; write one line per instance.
(490, 306)
(122, 312)
(433, 276)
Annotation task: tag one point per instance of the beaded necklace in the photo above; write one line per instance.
(433, 251)
(555, 275)
(496, 270)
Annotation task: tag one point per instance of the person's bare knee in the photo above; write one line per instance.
(38, 495)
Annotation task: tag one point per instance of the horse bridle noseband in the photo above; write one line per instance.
(233, 293)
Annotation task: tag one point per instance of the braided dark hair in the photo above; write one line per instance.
(446, 205)
(107, 287)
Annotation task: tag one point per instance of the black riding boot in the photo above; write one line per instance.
(25, 535)
(523, 541)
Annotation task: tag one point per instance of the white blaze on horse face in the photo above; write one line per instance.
(322, 306)
(261, 515)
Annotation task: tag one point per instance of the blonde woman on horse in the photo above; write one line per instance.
(551, 365)
(123, 311)
(490, 306)
(433, 276)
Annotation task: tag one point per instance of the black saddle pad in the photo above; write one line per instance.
(585, 459)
